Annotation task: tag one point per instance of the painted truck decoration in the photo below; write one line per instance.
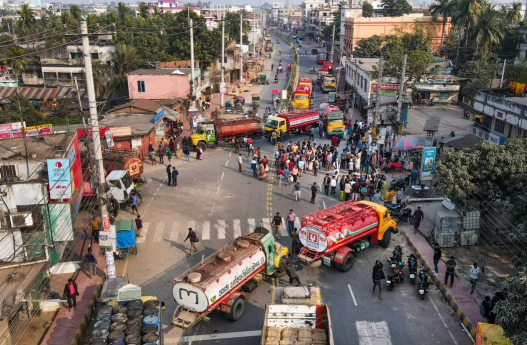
(216, 282)
(339, 232)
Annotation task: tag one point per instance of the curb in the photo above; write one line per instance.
(87, 314)
(444, 291)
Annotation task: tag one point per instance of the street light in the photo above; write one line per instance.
(503, 70)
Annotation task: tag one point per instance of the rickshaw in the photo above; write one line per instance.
(239, 99)
(276, 96)
(256, 98)
(239, 107)
(228, 106)
(263, 79)
(124, 240)
(277, 40)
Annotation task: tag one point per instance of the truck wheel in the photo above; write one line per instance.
(347, 263)
(281, 271)
(237, 310)
(386, 239)
(203, 145)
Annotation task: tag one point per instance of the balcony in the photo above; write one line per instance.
(64, 83)
(63, 62)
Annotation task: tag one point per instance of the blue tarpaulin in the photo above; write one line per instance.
(125, 239)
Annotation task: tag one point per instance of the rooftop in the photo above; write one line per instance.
(161, 71)
(366, 64)
(149, 105)
(40, 148)
(517, 100)
(140, 124)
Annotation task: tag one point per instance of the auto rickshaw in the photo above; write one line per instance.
(332, 98)
(263, 79)
(256, 98)
(239, 99)
(277, 40)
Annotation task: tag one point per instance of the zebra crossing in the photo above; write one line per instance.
(208, 230)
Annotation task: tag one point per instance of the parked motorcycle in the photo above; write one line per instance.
(398, 183)
(396, 258)
(394, 207)
(412, 267)
(405, 215)
(424, 283)
(396, 277)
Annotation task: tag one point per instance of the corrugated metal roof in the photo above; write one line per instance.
(39, 93)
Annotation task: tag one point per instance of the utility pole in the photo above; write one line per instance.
(332, 44)
(354, 85)
(377, 97)
(241, 47)
(22, 128)
(80, 105)
(191, 62)
(96, 137)
(222, 95)
(254, 34)
(401, 92)
(339, 68)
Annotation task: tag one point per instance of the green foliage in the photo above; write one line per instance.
(367, 9)
(11, 113)
(513, 310)
(488, 29)
(508, 47)
(372, 47)
(327, 32)
(125, 59)
(6, 43)
(395, 8)
(516, 73)
(444, 9)
(479, 71)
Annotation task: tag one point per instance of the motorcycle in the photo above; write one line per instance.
(412, 267)
(396, 277)
(403, 216)
(394, 207)
(398, 183)
(397, 256)
(276, 79)
(466, 114)
(424, 283)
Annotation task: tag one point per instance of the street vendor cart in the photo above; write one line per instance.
(263, 79)
(124, 239)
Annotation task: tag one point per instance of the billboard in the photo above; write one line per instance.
(387, 89)
(428, 163)
(61, 224)
(59, 177)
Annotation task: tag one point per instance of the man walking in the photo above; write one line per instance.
(291, 217)
(418, 217)
(92, 262)
(251, 149)
(437, 256)
(333, 185)
(95, 226)
(186, 151)
(139, 226)
(71, 293)
(327, 182)
(450, 266)
(240, 163)
(277, 223)
(169, 174)
(279, 174)
(160, 153)
(313, 192)
(115, 205)
(175, 174)
(474, 275)
(134, 203)
(377, 276)
(193, 240)
(311, 134)
(296, 190)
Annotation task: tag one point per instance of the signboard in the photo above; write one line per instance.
(386, 89)
(136, 143)
(82, 134)
(38, 130)
(444, 78)
(223, 87)
(59, 176)
(106, 237)
(109, 138)
(129, 292)
(61, 224)
(428, 163)
(120, 131)
(284, 94)
(106, 223)
(159, 116)
(134, 166)
(77, 204)
(429, 139)
(313, 238)
(160, 130)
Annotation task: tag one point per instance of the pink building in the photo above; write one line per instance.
(164, 83)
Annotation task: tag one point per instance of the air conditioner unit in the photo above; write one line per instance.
(21, 219)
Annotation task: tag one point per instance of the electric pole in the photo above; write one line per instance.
(332, 44)
(191, 62)
(241, 48)
(222, 95)
(354, 86)
(96, 137)
(401, 91)
(254, 34)
(80, 105)
(377, 96)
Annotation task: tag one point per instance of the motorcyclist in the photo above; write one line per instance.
(280, 52)
(277, 71)
(312, 68)
(280, 62)
(274, 103)
(465, 112)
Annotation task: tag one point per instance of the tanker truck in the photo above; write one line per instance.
(221, 280)
(296, 121)
(338, 233)
(226, 131)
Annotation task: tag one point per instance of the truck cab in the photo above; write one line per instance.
(334, 120)
(386, 222)
(275, 123)
(275, 253)
(205, 133)
(329, 83)
(301, 97)
(121, 185)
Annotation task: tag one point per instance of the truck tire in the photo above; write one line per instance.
(386, 239)
(284, 136)
(346, 264)
(281, 270)
(237, 310)
(203, 145)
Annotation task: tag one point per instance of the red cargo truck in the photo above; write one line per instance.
(296, 121)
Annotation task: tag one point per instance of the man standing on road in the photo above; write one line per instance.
(193, 240)
(245, 143)
(277, 223)
(418, 217)
(273, 137)
(474, 275)
(95, 226)
(134, 203)
(115, 205)
(169, 174)
(240, 163)
(286, 176)
(254, 166)
(279, 175)
(333, 185)
(313, 192)
(293, 276)
(311, 134)
(450, 266)
(251, 149)
(291, 217)
(92, 262)
(377, 276)
(160, 152)
(186, 151)
(296, 190)
(139, 225)
(175, 174)
(437, 256)
(327, 182)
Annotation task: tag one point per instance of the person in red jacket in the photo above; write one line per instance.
(71, 293)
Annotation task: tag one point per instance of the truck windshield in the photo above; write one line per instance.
(301, 97)
(329, 80)
(336, 122)
(127, 181)
(272, 124)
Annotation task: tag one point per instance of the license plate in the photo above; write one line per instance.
(421, 291)
(412, 275)
(393, 265)
(388, 282)
(327, 261)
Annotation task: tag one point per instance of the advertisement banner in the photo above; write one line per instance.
(386, 89)
(159, 116)
(59, 176)
(160, 130)
(109, 138)
(444, 78)
(223, 87)
(136, 143)
(61, 224)
(428, 163)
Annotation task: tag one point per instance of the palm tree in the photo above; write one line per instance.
(445, 9)
(125, 60)
(100, 77)
(27, 24)
(487, 30)
(467, 15)
(16, 60)
(122, 11)
(144, 10)
(514, 14)
(76, 12)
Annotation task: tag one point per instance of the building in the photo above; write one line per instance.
(60, 66)
(503, 117)
(357, 28)
(523, 46)
(295, 19)
(165, 6)
(308, 16)
(320, 18)
(440, 89)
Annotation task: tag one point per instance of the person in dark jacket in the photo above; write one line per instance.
(377, 276)
(487, 308)
(169, 173)
(193, 240)
(71, 293)
(293, 276)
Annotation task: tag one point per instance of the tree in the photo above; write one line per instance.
(367, 9)
(100, 77)
(327, 32)
(479, 71)
(516, 72)
(16, 60)
(125, 59)
(122, 11)
(488, 29)
(395, 8)
(144, 10)
(232, 24)
(514, 14)
(76, 12)
(443, 8)
(27, 24)
(6, 43)
(370, 47)
(11, 112)
(513, 310)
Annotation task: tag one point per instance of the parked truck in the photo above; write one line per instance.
(336, 234)
(226, 131)
(329, 83)
(333, 120)
(269, 46)
(216, 282)
(296, 121)
(298, 314)
(300, 34)
(326, 69)
(119, 160)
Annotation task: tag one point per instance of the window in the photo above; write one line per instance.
(95, 56)
(76, 55)
(443, 95)
(140, 86)
(499, 126)
(161, 3)
(8, 173)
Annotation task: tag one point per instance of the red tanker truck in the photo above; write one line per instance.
(296, 121)
(226, 131)
(336, 234)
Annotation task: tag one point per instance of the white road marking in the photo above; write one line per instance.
(266, 223)
(222, 174)
(283, 228)
(237, 228)
(230, 153)
(215, 336)
(323, 203)
(352, 295)
(221, 229)
(373, 333)
(158, 235)
(444, 323)
(218, 190)
(175, 231)
(227, 163)
(205, 232)
(145, 231)
(252, 225)
(212, 211)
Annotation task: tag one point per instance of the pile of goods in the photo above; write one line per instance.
(296, 336)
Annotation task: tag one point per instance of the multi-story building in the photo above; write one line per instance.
(523, 46)
(308, 16)
(295, 19)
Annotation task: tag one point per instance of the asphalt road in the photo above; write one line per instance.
(221, 203)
